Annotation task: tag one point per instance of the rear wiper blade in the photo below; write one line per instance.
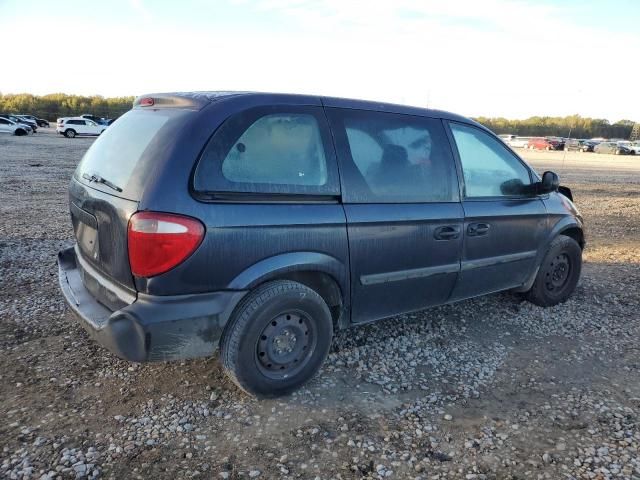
(92, 177)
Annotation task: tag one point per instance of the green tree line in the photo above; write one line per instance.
(57, 105)
(574, 125)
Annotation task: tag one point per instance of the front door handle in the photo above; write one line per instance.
(447, 232)
(477, 229)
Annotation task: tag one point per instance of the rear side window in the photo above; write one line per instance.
(389, 158)
(271, 150)
(489, 168)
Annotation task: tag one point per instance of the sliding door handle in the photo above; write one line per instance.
(447, 232)
(478, 229)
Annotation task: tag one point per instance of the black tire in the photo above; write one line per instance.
(266, 318)
(70, 133)
(20, 132)
(558, 274)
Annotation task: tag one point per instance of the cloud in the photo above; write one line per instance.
(495, 57)
(139, 7)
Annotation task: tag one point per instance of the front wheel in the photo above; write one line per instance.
(558, 274)
(277, 339)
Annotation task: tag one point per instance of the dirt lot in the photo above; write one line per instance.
(488, 388)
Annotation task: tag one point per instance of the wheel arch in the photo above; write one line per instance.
(575, 232)
(323, 273)
(569, 227)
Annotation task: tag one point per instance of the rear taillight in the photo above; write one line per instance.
(160, 241)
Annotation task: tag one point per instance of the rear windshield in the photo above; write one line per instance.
(118, 154)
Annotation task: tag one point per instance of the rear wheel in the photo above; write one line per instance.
(558, 274)
(277, 339)
(70, 133)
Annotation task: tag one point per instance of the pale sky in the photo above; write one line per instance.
(505, 58)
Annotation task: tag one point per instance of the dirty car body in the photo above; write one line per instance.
(332, 226)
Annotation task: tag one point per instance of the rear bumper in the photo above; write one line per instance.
(152, 328)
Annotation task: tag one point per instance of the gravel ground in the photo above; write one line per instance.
(491, 388)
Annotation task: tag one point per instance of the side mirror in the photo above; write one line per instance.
(549, 183)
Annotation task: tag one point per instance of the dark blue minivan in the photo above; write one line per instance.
(263, 223)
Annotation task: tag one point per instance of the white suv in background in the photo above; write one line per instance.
(9, 126)
(74, 126)
(514, 141)
(633, 146)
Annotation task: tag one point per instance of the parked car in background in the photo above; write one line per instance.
(514, 141)
(558, 142)
(9, 126)
(506, 137)
(519, 142)
(98, 120)
(574, 144)
(264, 223)
(24, 121)
(77, 126)
(19, 121)
(41, 122)
(32, 123)
(540, 143)
(633, 146)
(612, 147)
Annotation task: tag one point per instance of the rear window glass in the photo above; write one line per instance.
(119, 149)
(271, 150)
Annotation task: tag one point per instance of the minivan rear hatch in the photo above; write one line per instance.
(105, 191)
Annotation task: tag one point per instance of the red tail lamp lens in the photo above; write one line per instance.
(159, 242)
(146, 102)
